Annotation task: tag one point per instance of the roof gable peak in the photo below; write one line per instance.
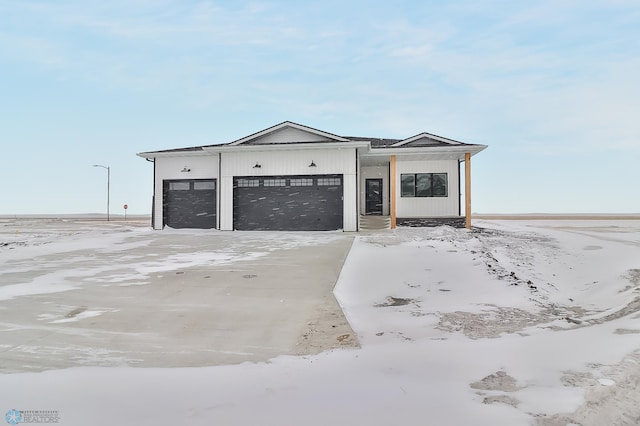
(288, 132)
(425, 138)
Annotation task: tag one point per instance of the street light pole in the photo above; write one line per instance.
(108, 184)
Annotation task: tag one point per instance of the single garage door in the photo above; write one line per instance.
(288, 203)
(189, 203)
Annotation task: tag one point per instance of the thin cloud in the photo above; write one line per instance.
(464, 64)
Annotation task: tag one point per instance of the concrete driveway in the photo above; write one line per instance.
(81, 293)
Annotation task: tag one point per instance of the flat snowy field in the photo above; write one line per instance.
(514, 323)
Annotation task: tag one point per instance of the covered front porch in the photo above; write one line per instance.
(414, 189)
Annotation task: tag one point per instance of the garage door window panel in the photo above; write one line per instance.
(179, 186)
(248, 183)
(204, 185)
(329, 181)
(275, 182)
(301, 182)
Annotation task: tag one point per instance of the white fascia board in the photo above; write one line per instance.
(150, 155)
(454, 149)
(286, 147)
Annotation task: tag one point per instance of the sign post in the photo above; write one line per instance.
(125, 211)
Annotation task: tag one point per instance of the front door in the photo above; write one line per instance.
(373, 195)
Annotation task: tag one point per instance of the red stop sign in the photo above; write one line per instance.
(126, 206)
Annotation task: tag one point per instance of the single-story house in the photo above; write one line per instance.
(294, 177)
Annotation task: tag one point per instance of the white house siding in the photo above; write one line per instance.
(170, 168)
(375, 172)
(278, 162)
(410, 207)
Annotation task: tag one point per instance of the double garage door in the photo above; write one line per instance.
(189, 203)
(288, 203)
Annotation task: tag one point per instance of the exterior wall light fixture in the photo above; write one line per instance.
(185, 170)
(257, 166)
(312, 164)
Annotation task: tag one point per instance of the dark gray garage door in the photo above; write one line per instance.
(288, 203)
(189, 203)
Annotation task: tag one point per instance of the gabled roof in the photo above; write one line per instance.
(426, 139)
(288, 132)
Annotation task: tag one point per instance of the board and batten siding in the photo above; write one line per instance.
(417, 207)
(170, 168)
(288, 162)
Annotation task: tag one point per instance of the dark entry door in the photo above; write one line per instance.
(189, 203)
(288, 203)
(373, 194)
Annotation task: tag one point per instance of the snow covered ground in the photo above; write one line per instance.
(514, 323)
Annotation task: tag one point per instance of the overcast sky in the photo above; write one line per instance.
(552, 87)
